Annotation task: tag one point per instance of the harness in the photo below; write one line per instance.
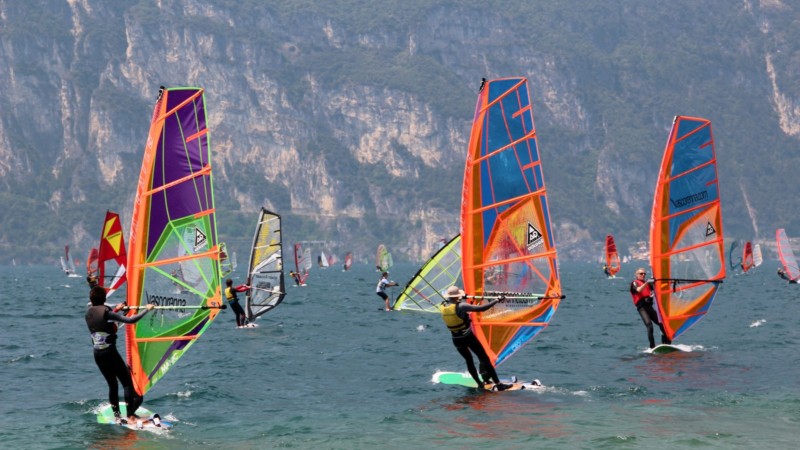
(645, 293)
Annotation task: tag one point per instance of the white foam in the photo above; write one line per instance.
(758, 323)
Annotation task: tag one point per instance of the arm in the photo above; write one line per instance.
(125, 319)
(477, 308)
(241, 288)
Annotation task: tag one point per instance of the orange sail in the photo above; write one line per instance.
(612, 257)
(686, 239)
(507, 242)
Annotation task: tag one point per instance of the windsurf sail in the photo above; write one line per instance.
(383, 259)
(173, 231)
(67, 264)
(734, 257)
(227, 261)
(507, 244)
(747, 256)
(758, 258)
(686, 238)
(786, 255)
(266, 266)
(426, 289)
(322, 260)
(612, 257)
(348, 260)
(91, 262)
(112, 256)
(302, 262)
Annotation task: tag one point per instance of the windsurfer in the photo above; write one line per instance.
(233, 299)
(92, 280)
(380, 289)
(455, 314)
(642, 293)
(605, 271)
(782, 274)
(100, 320)
(296, 277)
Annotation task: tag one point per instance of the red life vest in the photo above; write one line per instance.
(647, 292)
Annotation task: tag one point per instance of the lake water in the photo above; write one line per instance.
(329, 369)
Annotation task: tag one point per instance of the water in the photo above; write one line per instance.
(329, 369)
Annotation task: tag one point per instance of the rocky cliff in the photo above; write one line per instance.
(351, 118)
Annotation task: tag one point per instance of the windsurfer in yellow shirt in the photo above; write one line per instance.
(233, 300)
(455, 314)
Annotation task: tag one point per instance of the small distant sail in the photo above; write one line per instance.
(322, 260)
(612, 257)
(112, 256)
(758, 258)
(507, 242)
(786, 255)
(734, 257)
(425, 291)
(302, 262)
(686, 238)
(265, 268)
(348, 260)
(383, 259)
(173, 259)
(91, 262)
(747, 256)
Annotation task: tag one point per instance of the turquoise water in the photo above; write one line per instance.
(329, 369)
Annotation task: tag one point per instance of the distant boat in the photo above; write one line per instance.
(612, 257)
(686, 238)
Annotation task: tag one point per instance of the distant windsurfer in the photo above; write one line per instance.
(605, 271)
(642, 293)
(92, 280)
(785, 276)
(455, 314)
(233, 300)
(296, 277)
(380, 289)
(100, 320)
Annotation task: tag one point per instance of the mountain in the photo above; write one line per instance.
(350, 117)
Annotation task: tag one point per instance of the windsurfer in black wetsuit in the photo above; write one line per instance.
(782, 274)
(642, 294)
(100, 320)
(455, 314)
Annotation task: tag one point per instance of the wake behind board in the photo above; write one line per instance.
(464, 379)
(148, 422)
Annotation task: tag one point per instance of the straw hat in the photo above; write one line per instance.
(453, 292)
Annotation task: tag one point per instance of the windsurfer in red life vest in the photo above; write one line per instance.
(642, 293)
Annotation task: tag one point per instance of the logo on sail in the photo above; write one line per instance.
(689, 199)
(199, 239)
(534, 237)
(710, 229)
